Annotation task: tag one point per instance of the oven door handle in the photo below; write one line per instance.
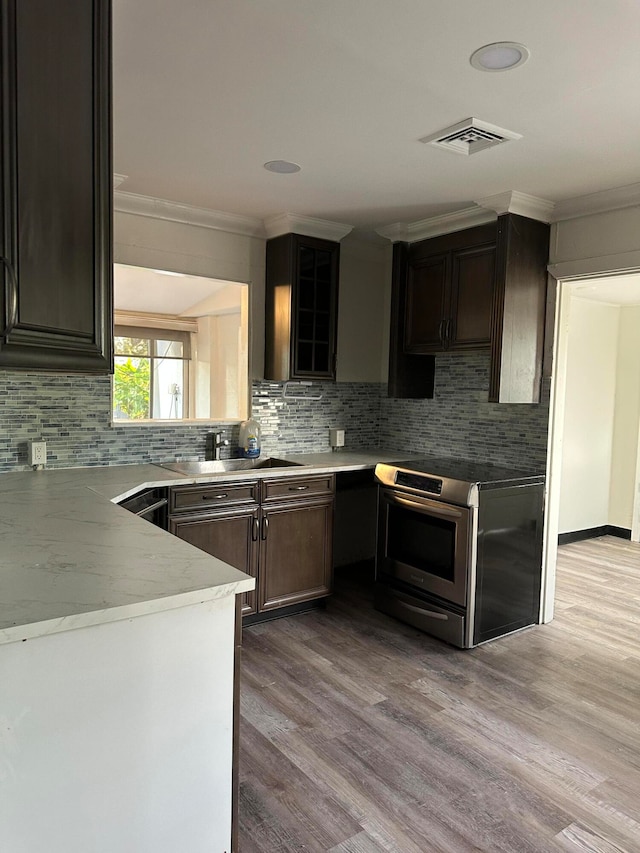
(431, 507)
(431, 613)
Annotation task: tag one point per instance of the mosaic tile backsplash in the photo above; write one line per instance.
(459, 420)
(72, 414)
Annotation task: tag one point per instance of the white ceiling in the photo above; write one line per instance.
(206, 91)
(614, 290)
(138, 289)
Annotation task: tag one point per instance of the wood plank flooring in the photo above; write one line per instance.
(360, 734)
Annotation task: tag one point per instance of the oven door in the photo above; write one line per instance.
(425, 544)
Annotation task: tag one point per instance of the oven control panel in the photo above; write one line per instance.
(428, 485)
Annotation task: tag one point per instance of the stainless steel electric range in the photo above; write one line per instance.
(459, 550)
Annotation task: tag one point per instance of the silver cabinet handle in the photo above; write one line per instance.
(265, 527)
(215, 497)
(444, 332)
(298, 488)
(11, 297)
(255, 530)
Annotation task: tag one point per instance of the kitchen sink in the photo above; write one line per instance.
(222, 466)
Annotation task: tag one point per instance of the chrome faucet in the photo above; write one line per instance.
(213, 444)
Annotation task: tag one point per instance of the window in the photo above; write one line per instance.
(151, 373)
(181, 347)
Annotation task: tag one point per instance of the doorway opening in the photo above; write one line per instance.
(593, 464)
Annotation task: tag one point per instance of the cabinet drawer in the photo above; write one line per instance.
(297, 488)
(191, 498)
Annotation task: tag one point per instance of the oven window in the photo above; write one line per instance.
(422, 541)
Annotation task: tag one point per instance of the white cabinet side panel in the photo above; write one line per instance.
(118, 737)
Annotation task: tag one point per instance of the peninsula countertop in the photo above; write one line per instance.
(71, 558)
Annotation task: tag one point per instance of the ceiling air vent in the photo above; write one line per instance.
(470, 136)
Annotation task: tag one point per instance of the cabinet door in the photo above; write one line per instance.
(427, 304)
(231, 536)
(314, 342)
(411, 375)
(472, 286)
(56, 185)
(301, 309)
(295, 553)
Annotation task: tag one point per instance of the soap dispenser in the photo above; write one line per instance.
(250, 439)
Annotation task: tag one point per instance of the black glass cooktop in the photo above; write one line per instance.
(467, 470)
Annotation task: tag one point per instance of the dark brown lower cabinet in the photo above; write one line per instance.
(295, 553)
(229, 534)
(278, 530)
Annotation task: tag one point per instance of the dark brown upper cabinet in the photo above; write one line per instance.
(411, 376)
(450, 283)
(301, 308)
(55, 185)
(481, 288)
(519, 305)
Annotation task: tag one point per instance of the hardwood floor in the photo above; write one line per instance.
(360, 734)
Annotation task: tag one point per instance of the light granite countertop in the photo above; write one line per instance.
(70, 557)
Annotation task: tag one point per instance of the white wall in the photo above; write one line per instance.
(226, 382)
(626, 424)
(602, 416)
(598, 243)
(589, 415)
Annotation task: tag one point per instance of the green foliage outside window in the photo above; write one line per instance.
(150, 374)
(132, 386)
(132, 394)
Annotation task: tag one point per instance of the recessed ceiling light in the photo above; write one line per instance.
(500, 56)
(282, 167)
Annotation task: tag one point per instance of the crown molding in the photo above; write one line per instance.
(484, 210)
(233, 223)
(293, 223)
(397, 232)
(171, 211)
(522, 204)
(411, 232)
(600, 202)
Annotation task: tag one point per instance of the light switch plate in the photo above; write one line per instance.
(336, 437)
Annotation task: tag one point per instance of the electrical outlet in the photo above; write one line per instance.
(37, 454)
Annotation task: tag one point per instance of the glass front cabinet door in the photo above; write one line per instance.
(301, 308)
